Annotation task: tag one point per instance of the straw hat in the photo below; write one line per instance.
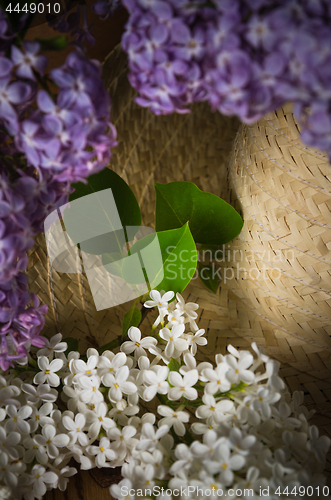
(280, 313)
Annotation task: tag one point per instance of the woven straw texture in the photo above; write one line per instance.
(286, 316)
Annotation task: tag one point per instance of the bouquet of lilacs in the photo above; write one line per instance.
(226, 426)
(245, 57)
(54, 130)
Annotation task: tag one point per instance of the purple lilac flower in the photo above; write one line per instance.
(106, 8)
(28, 60)
(21, 322)
(70, 136)
(245, 57)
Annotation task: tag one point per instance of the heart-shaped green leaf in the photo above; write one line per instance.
(212, 221)
(167, 259)
(131, 318)
(101, 213)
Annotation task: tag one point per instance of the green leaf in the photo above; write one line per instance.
(212, 220)
(174, 365)
(211, 251)
(72, 344)
(208, 277)
(131, 318)
(53, 43)
(167, 260)
(105, 222)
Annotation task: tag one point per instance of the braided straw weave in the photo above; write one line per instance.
(196, 147)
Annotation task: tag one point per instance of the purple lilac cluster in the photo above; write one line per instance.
(69, 135)
(48, 140)
(246, 57)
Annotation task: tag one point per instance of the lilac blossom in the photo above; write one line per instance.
(245, 57)
(70, 136)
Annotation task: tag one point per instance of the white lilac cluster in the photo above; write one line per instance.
(222, 426)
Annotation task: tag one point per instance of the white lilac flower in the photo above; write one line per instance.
(137, 344)
(41, 393)
(228, 463)
(51, 440)
(219, 411)
(319, 445)
(175, 419)
(97, 418)
(122, 490)
(80, 368)
(184, 458)
(138, 422)
(174, 340)
(180, 481)
(73, 399)
(39, 477)
(6, 397)
(145, 476)
(102, 453)
(195, 340)
(200, 428)
(283, 417)
(155, 459)
(175, 318)
(191, 364)
(239, 442)
(8, 443)
(107, 365)
(122, 440)
(207, 448)
(48, 371)
(34, 451)
(296, 443)
(150, 437)
(9, 470)
(156, 378)
(39, 416)
(183, 385)
(238, 368)
(217, 381)
(254, 482)
(137, 374)
(89, 389)
(17, 418)
(188, 308)
(63, 477)
(118, 384)
(159, 300)
(122, 412)
(265, 398)
(76, 428)
(54, 345)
